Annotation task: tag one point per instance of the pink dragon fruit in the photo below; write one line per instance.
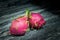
(36, 20)
(20, 25)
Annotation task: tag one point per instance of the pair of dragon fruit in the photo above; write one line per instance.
(31, 20)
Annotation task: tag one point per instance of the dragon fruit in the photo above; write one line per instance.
(36, 20)
(20, 25)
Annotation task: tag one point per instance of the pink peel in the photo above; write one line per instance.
(20, 25)
(36, 20)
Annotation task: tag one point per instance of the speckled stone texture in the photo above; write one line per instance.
(50, 31)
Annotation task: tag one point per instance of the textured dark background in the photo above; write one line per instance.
(11, 9)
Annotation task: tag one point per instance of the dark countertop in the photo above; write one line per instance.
(50, 31)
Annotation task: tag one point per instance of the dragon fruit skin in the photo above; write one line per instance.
(19, 26)
(36, 20)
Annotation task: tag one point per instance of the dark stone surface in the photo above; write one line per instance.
(50, 5)
(6, 6)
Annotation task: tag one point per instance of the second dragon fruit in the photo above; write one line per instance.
(36, 20)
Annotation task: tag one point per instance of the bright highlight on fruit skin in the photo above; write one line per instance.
(36, 24)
